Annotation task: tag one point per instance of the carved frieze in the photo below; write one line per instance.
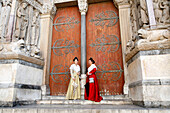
(148, 37)
(161, 10)
(35, 4)
(26, 29)
(5, 9)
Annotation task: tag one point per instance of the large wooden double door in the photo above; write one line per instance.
(103, 45)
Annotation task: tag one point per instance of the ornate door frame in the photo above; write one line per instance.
(47, 22)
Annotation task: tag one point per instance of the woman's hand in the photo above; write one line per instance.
(74, 79)
(78, 73)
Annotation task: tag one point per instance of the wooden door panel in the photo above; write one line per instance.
(104, 46)
(65, 46)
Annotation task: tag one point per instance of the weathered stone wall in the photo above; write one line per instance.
(21, 65)
(147, 53)
(20, 27)
(26, 31)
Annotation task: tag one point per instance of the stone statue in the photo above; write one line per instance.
(161, 10)
(164, 5)
(146, 36)
(35, 32)
(157, 11)
(14, 47)
(154, 35)
(22, 21)
(133, 18)
(129, 46)
(144, 14)
(4, 18)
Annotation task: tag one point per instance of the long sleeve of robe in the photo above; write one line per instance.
(92, 87)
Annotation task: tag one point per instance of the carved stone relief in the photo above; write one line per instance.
(161, 10)
(26, 30)
(4, 18)
(148, 36)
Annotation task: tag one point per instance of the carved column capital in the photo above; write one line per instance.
(49, 9)
(83, 6)
(120, 2)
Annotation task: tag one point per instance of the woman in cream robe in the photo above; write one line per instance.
(73, 91)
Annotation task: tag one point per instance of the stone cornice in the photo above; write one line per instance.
(120, 2)
(21, 57)
(148, 46)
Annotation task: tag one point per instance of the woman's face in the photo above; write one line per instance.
(90, 62)
(76, 61)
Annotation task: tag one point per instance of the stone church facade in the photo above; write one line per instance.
(27, 46)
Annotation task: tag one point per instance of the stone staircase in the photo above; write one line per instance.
(58, 104)
(107, 100)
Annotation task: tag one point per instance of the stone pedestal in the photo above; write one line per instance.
(149, 74)
(83, 82)
(20, 79)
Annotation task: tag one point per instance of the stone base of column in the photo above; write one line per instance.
(45, 90)
(83, 82)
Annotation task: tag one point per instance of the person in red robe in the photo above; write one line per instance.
(92, 87)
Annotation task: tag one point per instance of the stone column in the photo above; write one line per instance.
(45, 45)
(124, 18)
(152, 21)
(83, 9)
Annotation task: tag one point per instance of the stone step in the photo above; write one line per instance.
(104, 97)
(82, 109)
(86, 102)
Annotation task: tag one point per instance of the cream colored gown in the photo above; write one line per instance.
(73, 91)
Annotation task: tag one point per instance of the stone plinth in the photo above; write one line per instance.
(20, 79)
(149, 74)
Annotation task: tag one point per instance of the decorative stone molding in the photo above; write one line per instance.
(83, 6)
(148, 40)
(120, 2)
(36, 4)
(49, 8)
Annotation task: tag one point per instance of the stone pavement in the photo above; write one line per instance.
(82, 109)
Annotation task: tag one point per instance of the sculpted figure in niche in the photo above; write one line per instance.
(4, 18)
(161, 10)
(22, 21)
(157, 10)
(35, 33)
(133, 16)
(164, 5)
(144, 14)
